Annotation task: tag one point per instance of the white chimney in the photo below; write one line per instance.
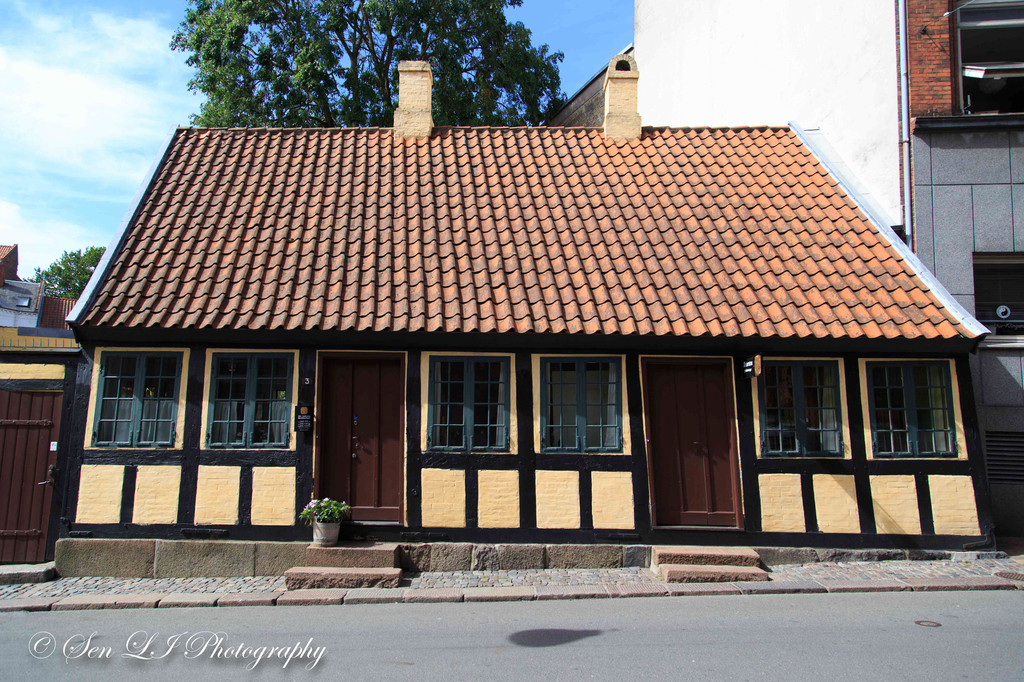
(412, 117)
(621, 118)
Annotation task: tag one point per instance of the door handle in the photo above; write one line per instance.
(51, 476)
(356, 446)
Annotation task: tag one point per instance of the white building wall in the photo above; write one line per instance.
(9, 318)
(831, 64)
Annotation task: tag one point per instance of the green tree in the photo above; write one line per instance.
(309, 63)
(68, 275)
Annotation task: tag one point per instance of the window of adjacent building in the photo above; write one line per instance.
(138, 399)
(999, 295)
(800, 409)
(250, 401)
(911, 408)
(469, 404)
(581, 405)
(991, 34)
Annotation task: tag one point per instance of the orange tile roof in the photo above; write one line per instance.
(4, 250)
(55, 311)
(724, 232)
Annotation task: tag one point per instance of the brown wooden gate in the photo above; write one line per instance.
(691, 443)
(360, 451)
(29, 424)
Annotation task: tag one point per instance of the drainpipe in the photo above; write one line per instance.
(905, 121)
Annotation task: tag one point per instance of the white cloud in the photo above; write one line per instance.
(40, 240)
(87, 99)
(89, 96)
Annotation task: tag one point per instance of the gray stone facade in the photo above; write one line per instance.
(969, 199)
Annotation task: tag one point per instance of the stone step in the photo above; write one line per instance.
(691, 573)
(705, 556)
(318, 577)
(354, 555)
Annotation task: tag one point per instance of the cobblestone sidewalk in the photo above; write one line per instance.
(627, 578)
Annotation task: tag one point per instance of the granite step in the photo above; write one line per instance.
(326, 577)
(705, 556)
(354, 555)
(692, 573)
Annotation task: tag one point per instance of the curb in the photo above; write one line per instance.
(378, 595)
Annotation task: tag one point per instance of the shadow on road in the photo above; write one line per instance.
(550, 637)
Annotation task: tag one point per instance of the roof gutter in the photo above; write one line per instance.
(88, 296)
(908, 215)
(826, 155)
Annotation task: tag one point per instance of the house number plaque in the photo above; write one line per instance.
(303, 418)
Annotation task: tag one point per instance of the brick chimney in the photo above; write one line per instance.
(621, 119)
(412, 117)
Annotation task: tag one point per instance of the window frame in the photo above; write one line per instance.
(468, 415)
(135, 432)
(249, 401)
(910, 408)
(798, 401)
(581, 404)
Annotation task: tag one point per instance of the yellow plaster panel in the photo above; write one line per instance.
(782, 503)
(835, 503)
(894, 499)
(954, 509)
(156, 494)
(273, 496)
(444, 498)
(217, 494)
(498, 499)
(612, 499)
(99, 493)
(558, 499)
(16, 371)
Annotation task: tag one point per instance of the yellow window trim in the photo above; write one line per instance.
(535, 359)
(958, 420)
(179, 426)
(208, 381)
(843, 404)
(513, 423)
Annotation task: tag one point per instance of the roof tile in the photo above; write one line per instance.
(734, 232)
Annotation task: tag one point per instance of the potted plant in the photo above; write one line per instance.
(326, 517)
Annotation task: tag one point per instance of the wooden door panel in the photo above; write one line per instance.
(691, 443)
(29, 422)
(361, 415)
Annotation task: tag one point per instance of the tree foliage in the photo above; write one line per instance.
(309, 63)
(68, 275)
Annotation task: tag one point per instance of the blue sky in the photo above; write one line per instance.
(91, 91)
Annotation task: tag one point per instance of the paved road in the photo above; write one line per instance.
(778, 637)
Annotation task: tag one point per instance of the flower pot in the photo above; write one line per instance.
(325, 534)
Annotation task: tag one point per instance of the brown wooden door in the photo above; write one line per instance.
(360, 446)
(691, 443)
(29, 424)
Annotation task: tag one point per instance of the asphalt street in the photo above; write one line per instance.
(903, 636)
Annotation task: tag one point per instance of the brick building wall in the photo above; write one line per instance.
(933, 90)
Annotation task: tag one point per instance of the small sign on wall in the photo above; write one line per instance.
(53, 446)
(303, 418)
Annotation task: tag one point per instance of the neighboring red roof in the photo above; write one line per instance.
(55, 311)
(4, 250)
(723, 232)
